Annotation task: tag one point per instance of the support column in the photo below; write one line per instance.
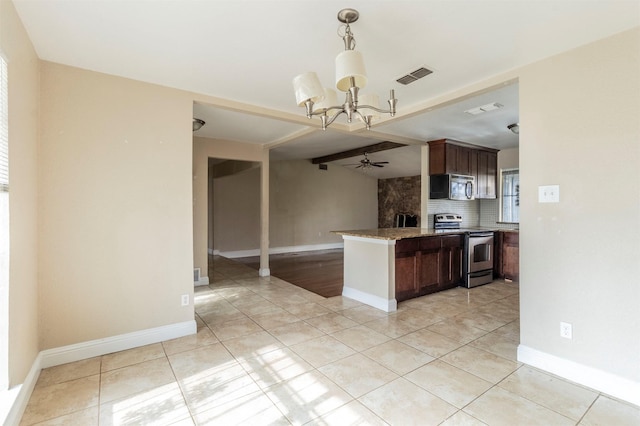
(264, 215)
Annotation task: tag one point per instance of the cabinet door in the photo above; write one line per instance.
(428, 262)
(464, 160)
(492, 175)
(406, 268)
(498, 271)
(487, 174)
(451, 264)
(428, 271)
(451, 158)
(511, 256)
(437, 155)
(458, 159)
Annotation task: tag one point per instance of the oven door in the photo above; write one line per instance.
(480, 252)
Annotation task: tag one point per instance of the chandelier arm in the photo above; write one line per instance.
(324, 111)
(385, 111)
(331, 120)
(365, 118)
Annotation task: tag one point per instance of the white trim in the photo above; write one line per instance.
(90, 349)
(211, 251)
(264, 272)
(602, 381)
(24, 394)
(216, 252)
(281, 250)
(370, 240)
(387, 305)
(201, 281)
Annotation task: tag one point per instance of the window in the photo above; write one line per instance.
(510, 195)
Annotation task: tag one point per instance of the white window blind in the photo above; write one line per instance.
(511, 195)
(4, 128)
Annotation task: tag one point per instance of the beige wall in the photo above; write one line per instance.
(305, 205)
(23, 70)
(580, 258)
(508, 158)
(308, 203)
(115, 252)
(236, 211)
(203, 149)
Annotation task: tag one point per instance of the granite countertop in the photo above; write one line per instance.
(401, 233)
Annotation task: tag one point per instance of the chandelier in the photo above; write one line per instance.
(350, 78)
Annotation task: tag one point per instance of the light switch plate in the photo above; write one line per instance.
(549, 194)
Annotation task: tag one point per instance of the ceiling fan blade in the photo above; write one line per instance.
(357, 167)
(377, 165)
(380, 162)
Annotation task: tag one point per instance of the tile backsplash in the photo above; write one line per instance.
(402, 195)
(474, 213)
(470, 211)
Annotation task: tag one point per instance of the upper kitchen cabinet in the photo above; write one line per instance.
(487, 174)
(447, 156)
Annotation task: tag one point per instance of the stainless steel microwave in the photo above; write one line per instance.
(452, 187)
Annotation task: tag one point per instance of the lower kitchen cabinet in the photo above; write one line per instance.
(511, 256)
(428, 264)
(452, 252)
(507, 255)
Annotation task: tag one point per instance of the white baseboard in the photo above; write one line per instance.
(387, 305)
(90, 349)
(281, 250)
(24, 394)
(608, 383)
(211, 251)
(201, 281)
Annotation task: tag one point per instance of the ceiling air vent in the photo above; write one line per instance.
(413, 76)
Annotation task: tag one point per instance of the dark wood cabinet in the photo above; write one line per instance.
(452, 248)
(507, 255)
(511, 255)
(457, 159)
(487, 174)
(447, 156)
(428, 264)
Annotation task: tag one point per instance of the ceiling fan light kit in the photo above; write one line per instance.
(351, 76)
(197, 124)
(365, 163)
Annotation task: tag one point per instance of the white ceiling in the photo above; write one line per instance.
(245, 54)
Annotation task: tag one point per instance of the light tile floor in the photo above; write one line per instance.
(270, 353)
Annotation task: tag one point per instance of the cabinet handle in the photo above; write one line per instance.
(450, 265)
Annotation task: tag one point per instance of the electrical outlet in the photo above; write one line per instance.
(185, 300)
(566, 330)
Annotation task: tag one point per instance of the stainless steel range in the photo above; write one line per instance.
(477, 265)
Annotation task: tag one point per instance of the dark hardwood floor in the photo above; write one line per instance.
(318, 271)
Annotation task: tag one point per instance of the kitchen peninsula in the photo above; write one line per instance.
(387, 265)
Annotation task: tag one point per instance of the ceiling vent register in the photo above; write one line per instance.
(415, 75)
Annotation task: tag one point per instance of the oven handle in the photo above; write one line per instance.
(479, 234)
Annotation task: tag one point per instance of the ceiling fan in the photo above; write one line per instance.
(365, 163)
